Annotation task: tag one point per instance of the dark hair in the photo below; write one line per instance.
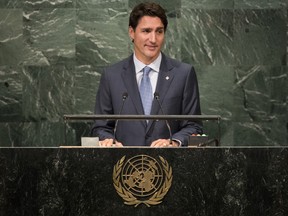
(147, 9)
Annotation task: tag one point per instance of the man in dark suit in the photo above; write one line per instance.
(175, 83)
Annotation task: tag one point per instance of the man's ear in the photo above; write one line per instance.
(131, 33)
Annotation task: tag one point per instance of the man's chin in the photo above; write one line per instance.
(152, 54)
(150, 49)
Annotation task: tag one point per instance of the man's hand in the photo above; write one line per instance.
(164, 143)
(109, 143)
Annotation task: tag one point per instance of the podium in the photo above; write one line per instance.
(205, 181)
(192, 140)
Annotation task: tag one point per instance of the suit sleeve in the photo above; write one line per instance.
(103, 106)
(190, 106)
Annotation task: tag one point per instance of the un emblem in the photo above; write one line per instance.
(142, 179)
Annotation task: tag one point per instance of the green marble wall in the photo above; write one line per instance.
(52, 53)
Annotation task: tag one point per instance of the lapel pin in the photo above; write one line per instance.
(167, 77)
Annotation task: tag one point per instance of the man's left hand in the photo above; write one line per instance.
(164, 143)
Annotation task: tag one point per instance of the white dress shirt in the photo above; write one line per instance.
(153, 75)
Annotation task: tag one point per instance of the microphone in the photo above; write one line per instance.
(156, 96)
(124, 97)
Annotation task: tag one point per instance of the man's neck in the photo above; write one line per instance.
(147, 61)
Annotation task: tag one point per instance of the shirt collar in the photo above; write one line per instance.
(155, 65)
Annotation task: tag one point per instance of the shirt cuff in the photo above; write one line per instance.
(178, 141)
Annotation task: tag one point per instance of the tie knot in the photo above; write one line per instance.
(146, 70)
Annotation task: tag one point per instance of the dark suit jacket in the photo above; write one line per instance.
(178, 92)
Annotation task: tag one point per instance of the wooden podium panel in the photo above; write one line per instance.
(204, 181)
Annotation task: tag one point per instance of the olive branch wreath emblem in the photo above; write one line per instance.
(129, 198)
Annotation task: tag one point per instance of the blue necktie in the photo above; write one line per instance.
(146, 91)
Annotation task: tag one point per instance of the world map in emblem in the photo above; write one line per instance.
(142, 175)
(142, 179)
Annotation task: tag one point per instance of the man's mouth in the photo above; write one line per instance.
(151, 47)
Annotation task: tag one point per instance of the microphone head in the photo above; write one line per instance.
(125, 95)
(156, 95)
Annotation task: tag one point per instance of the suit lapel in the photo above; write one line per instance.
(165, 78)
(129, 79)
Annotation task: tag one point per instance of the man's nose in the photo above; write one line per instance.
(152, 37)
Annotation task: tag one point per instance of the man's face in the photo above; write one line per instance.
(148, 38)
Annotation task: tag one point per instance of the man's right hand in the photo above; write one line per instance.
(109, 143)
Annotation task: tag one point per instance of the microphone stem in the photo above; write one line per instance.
(170, 134)
(124, 97)
(156, 95)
